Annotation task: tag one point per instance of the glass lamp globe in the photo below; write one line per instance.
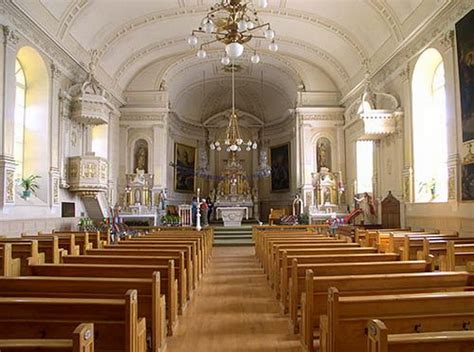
(213, 147)
(234, 50)
(193, 40)
(233, 147)
(250, 25)
(202, 54)
(255, 59)
(225, 61)
(219, 149)
(254, 145)
(269, 34)
(242, 25)
(248, 149)
(209, 27)
(217, 144)
(273, 47)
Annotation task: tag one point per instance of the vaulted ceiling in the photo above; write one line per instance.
(325, 45)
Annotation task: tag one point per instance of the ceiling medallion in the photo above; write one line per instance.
(234, 23)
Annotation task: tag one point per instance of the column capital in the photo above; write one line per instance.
(10, 36)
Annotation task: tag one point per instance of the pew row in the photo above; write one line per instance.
(151, 304)
(379, 340)
(82, 340)
(9, 266)
(117, 326)
(168, 283)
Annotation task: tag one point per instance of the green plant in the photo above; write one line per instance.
(30, 184)
(303, 219)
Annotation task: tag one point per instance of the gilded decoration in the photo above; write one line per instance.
(10, 186)
(452, 183)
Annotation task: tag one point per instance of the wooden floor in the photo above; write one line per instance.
(233, 310)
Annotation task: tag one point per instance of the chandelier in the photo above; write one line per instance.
(233, 141)
(234, 23)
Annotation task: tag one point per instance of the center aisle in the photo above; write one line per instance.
(233, 310)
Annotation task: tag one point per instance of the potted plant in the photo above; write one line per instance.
(30, 185)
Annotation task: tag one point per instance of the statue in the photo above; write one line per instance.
(141, 159)
(324, 154)
(162, 199)
(366, 204)
(297, 205)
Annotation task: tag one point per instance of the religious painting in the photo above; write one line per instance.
(280, 161)
(185, 161)
(467, 182)
(465, 48)
(141, 156)
(324, 153)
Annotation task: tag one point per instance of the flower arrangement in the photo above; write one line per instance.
(170, 220)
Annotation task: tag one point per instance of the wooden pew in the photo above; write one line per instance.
(82, 340)
(276, 257)
(315, 298)
(189, 249)
(388, 242)
(93, 238)
(379, 340)
(287, 267)
(27, 251)
(171, 254)
(139, 260)
(344, 327)
(117, 326)
(151, 304)
(66, 244)
(168, 282)
(83, 240)
(458, 257)
(298, 275)
(204, 241)
(9, 266)
(196, 250)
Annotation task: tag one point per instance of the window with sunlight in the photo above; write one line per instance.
(19, 127)
(365, 166)
(429, 129)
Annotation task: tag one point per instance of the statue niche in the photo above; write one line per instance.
(141, 156)
(324, 153)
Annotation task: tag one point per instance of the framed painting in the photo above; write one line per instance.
(280, 161)
(185, 162)
(465, 51)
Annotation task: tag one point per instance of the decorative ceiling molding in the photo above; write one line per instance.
(162, 15)
(391, 19)
(70, 15)
(432, 29)
(179, 41)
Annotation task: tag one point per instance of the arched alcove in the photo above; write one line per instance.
(140, 155)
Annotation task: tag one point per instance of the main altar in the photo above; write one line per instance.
(234, 199)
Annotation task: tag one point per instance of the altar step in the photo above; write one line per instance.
(233, 236)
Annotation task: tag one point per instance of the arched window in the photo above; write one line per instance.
(429, 129)
(31, 131)
(365, 166)
(19, 127)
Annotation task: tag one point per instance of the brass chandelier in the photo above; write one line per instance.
(233, 141)
(234, 23)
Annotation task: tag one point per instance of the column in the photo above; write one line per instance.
(54, 130)
(160, 152)
(7, 96)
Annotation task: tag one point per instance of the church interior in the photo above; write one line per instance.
(238, 175)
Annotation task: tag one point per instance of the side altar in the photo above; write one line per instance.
(234, 199)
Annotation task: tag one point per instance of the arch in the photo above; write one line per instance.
(36, 118)
(430, 152)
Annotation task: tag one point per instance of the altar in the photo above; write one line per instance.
(232, 216)
(234, 198)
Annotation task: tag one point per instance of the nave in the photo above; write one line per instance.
(235, 308)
